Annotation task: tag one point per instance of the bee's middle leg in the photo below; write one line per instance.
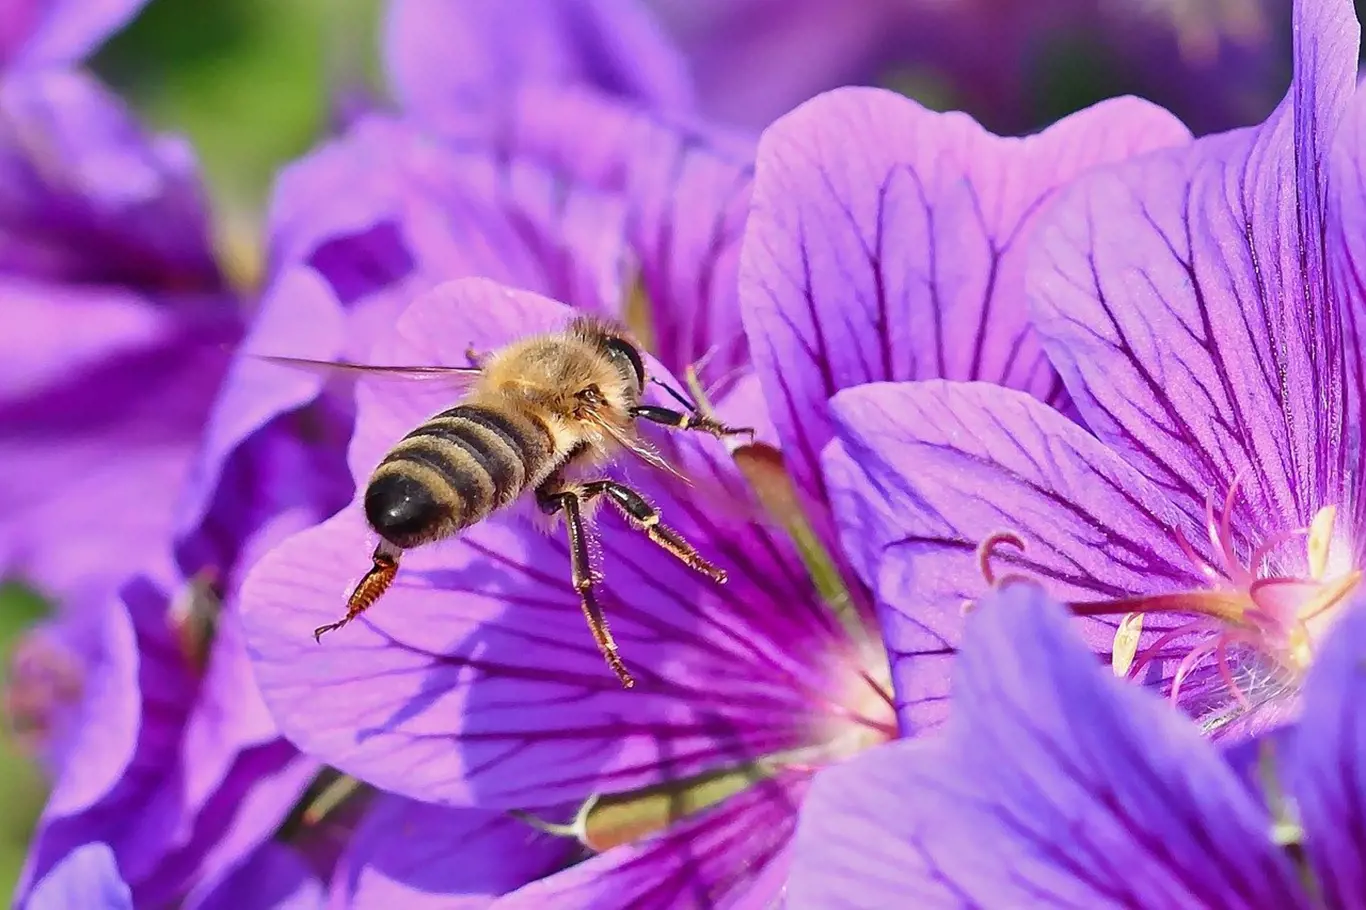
(569, 502)
(645, 517)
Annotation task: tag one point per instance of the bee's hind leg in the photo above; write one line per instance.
(645, 517)
(554, 500)
(384, 566)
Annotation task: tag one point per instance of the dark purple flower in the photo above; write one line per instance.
(1200, 304)
(87, 878)
(473, 683)
(118, 328)
(753, 60)
(1053, 785)
(43, 33)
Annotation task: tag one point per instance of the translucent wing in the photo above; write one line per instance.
(456, 376)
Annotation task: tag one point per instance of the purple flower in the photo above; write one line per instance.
(1200, 305)
(473, 684)
(462, 64)
(1053, 785)
(42, 33)
(118, 331)
(753, 60)
(88, 878)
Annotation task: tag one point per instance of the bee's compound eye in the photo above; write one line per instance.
(401, 509)
(625, 353)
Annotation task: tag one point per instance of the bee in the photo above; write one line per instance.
(536, 416)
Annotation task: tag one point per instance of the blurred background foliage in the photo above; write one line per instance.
(253, 84)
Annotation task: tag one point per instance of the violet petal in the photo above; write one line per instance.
(887, 243)
(924, 472)
(474, 678)
(87, 878)
(1185, 299)
(464, 61)
(1324, 772)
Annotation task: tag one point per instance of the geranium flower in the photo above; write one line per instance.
(1054, 785)
(1200, 304)
(473, 682)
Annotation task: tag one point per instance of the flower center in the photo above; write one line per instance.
(45, 683)
(1252, 632)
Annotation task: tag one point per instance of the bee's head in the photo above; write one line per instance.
(625, 358)
(612, 340)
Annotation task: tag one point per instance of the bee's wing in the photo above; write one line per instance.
(639, 448)
(456, 376)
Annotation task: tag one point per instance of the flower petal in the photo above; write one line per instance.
(75, 519)
(89, 196)
(104, 722)
(1324, 771)
(474, 679)
(1056, 786)
(464, 61)
(391, 208)
(684, 189)
(229, 862)
(735, 855)
(887, 243)
(400, 856)
(924, 472)
(1186, 301)
(41, 33)
(276, 877)
(88, 878)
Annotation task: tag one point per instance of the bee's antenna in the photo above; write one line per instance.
(677, 395)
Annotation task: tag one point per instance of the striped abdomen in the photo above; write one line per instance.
(453, 471)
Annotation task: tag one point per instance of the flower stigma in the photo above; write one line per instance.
(1251, 634)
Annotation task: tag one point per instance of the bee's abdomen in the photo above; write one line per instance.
(453, 471)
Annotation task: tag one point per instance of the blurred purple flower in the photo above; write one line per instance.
(87, 878)
(1054, 785)
(43, 33)
(473, 683)
(753, 60)
(1201, 305)
(119, 327)
(463, 64)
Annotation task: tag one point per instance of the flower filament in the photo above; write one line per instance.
(1249, 608)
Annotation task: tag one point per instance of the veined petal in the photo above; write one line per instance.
(390, 209)
(733, 856)
(887, 243)
(1054, 786)
(87, 195)
(1324, 771)
(462, 62)
(685, 192)
(474, 679)
(88, 878)
(400, 856)
(923, 473)
(1185, 299)
(44, 33)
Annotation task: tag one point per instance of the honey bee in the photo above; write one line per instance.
(535, 416)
